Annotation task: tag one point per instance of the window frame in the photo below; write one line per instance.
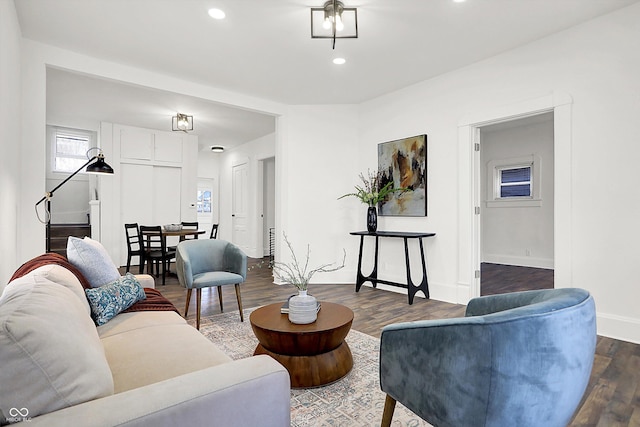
(54, 132)
(494, 182)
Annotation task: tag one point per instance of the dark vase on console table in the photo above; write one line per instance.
(372, 219)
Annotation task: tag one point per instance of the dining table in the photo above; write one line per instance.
(180, 233)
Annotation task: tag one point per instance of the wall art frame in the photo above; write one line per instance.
(404, 162)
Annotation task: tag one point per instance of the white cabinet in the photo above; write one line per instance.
(136, 144)
(168, 148)
(152, 146)
(154, 183)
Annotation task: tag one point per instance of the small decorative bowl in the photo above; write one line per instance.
(172, 227)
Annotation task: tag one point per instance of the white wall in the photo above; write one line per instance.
(597, 64)
(320, 145)
(10, 135)
(516, 233)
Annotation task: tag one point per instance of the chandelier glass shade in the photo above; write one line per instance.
(182, 122)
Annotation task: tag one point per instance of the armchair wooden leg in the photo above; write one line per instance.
(387, 415)
(186, 306)
(239, 298)
(198, 305)
(220, 298)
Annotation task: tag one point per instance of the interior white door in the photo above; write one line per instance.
(239, 208)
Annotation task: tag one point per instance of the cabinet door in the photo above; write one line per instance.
(136, 144)
(136, 195)
(168, 148)
(167, 191)
(150, 195)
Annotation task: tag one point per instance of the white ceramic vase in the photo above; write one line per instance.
(303, 308)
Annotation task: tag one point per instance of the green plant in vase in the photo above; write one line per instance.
(372, 192)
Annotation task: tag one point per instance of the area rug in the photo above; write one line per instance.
(355, 400)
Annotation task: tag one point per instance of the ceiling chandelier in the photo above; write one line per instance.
(182, 122)
(334, 21)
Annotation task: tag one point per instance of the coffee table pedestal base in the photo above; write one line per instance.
(316, 370)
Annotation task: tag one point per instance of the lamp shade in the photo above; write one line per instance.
(99, 166)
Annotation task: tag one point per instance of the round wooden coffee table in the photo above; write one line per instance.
(314, 354)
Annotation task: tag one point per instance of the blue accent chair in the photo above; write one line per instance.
(519, 359)
(206, 263)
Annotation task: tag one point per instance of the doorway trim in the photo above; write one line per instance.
(468, 277)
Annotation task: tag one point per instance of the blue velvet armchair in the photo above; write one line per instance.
(519, 359)
(210, 263)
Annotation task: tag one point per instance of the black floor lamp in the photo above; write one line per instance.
(99, 167)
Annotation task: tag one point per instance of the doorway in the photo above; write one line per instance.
(468, 192)
(207, 199)
(517, 204)
(268, 215)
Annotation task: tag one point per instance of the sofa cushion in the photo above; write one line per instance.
(107, 301)
(51, 355)
(92, 259)
(125, 322)
(145, 354)
(63, 277)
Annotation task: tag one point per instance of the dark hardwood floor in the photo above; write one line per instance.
(500, 278)
(612, 397)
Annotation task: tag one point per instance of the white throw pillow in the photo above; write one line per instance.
(63, 277)
(93, 261)
(52, 357)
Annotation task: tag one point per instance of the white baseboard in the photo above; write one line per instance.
(524, 261)
(619, 327)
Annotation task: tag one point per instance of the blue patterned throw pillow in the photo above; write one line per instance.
(110, 299)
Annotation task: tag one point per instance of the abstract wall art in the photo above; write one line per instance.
(404, 162)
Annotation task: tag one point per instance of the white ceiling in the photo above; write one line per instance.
(85, 101)
(264, 49)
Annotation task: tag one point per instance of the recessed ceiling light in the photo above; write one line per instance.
(217, 14)
(339, 61)
(459, 1)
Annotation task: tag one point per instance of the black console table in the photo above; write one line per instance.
(373, 277)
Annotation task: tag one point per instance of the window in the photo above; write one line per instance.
(204, 201)
(69, 148)
(515, 182)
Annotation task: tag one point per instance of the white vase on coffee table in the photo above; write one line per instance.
(303, 308)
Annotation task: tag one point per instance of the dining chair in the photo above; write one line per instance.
(189, 226)
(156, 252)
(214, 232)
(135, 245)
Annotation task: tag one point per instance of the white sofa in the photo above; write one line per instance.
(147, 368)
